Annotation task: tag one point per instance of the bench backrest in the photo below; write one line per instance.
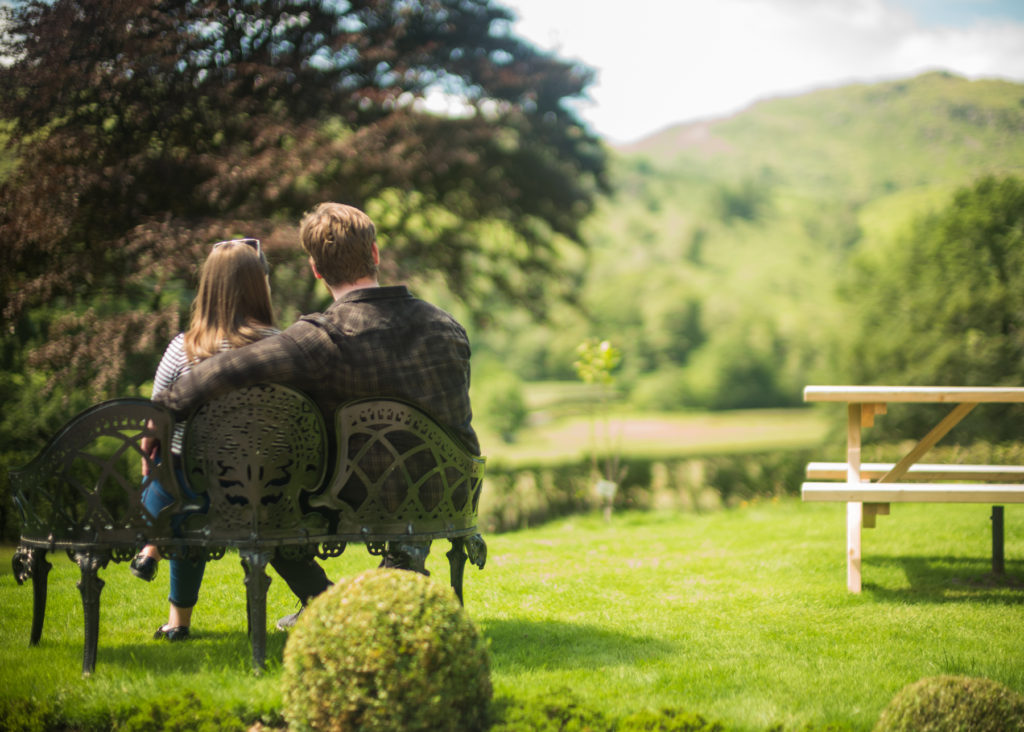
(398, 471)
(258, 457)
(253, 452)
(85, 486)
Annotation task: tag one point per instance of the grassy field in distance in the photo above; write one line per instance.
(566, 419)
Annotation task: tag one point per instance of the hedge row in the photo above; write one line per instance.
(523, 495)
(527, 495)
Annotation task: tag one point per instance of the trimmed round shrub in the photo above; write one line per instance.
(953, 704)
(388, 649)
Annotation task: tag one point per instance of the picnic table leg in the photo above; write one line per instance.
(998, 564)
(854, 509)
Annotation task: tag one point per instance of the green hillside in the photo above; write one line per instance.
(859, 142)
(714, 265)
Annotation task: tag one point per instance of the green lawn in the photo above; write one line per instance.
(741, 616)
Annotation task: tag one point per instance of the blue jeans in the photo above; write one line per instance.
(305, 577)
(186, 574)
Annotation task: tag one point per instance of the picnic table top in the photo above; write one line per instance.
(882, 394)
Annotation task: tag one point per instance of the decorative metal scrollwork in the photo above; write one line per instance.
(254, 452)
(330, 549)
(21, 564)
(399, 471)
(476, 550)
(86, 484)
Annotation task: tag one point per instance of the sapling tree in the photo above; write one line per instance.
(596, 363)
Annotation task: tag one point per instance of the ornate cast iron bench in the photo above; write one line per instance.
(258, 457)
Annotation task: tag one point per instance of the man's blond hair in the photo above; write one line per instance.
(340, 240)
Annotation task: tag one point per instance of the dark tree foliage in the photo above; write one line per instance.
(146, 129)
(944, 306)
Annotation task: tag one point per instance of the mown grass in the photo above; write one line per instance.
(741, 616)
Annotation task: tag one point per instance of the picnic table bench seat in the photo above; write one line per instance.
(257, 462)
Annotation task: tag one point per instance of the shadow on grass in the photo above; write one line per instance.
(949, 579)
(515, 645)
(223, 649)
(533, 644)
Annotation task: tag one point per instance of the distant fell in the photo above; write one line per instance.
(867, 139)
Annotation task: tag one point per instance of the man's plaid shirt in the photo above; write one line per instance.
(378, 341)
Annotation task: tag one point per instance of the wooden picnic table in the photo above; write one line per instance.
(868, 489)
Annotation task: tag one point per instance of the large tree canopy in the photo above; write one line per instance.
(143, 130)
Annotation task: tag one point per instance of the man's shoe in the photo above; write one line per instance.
(144, 567)
(288, 621)
(172, 634)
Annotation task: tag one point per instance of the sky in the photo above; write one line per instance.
(664, 62)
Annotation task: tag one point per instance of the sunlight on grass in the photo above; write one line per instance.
(740, 615)
(743, 615)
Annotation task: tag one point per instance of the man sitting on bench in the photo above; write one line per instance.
(371, 341)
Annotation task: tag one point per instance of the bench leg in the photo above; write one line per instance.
(40, 575)
(256, 583)
(998, 563)
(31, 564)
(90, 586)
(472, 547)
(457, 564)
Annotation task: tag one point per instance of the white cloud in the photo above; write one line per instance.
(660, 62)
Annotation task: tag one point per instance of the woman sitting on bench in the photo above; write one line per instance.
(232, 308)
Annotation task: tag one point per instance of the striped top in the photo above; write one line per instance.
(174, 364)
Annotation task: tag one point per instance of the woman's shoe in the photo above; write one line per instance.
(172, 634)
(144, 567)
(288, 621)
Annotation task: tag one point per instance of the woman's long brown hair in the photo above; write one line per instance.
(232, 303)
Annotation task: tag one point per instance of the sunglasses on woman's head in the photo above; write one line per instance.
(254, 243)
